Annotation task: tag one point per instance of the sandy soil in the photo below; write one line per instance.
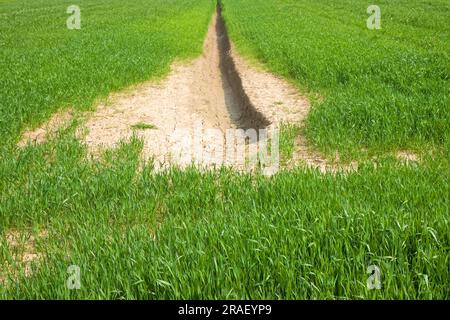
(217, 90)
(220, 91)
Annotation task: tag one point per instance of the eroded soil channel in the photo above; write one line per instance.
(186, 118)
(218, 90)
(242, 112)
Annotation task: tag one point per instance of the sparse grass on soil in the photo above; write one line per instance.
(138, 233)
(143, 126)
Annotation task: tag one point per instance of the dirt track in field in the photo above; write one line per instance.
(218, 90)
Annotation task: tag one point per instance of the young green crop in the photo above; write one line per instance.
(381, 89)
(184, 234)
(138, 233)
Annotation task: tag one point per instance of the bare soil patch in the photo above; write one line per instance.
(39, 135)
(218, 90)
(23, 248)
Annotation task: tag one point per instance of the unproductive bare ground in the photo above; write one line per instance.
(218, 90)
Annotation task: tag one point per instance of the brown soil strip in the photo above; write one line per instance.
(218, 90)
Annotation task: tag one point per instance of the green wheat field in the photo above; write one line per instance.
(136, 233)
